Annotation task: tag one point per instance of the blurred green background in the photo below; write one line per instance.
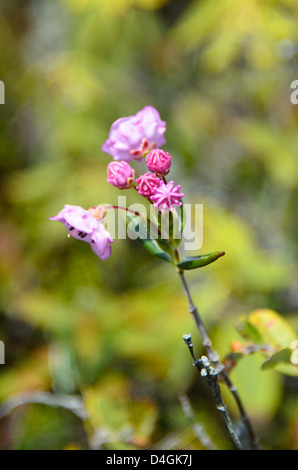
(109, 334)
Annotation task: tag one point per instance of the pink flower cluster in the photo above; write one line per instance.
(136, 137)
(131, 138)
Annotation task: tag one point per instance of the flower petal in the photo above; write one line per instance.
(101, 241)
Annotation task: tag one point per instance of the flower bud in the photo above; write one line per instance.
(167, 196)
(147, 184)
(158, 161)
(120, 174)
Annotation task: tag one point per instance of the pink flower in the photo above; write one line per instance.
(120, 174)
(167, 197)
(132, 137)
(147, 184)
(158, 161)
(87, 226)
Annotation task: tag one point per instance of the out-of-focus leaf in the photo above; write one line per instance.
(272, 328)
(248, 331)
(42, 427)
(30, 374)
(43, 310)
(272, 148)
(194, 262)
(284, 355)
(118, 417)
(260, 390)
(149, 4)
(258, 270)
(266, 328)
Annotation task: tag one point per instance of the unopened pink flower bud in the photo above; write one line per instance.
(158, 161)
(167, 196)
(147, 184)
(120, 174)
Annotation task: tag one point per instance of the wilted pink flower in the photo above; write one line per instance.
(132, 137)
(147, 183)
(158, 161)
(120, 174)
(166, 196)
(87, 226)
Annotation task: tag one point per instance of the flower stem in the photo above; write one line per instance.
(211, 375)
(213, 356)
(123, 209)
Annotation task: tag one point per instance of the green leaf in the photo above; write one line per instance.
(267, 327)
(165, 246)
(273, 328)
(155, 250)
(194, 262)
(141, 231)
(249, 331)
(261, 391)
(284, 355)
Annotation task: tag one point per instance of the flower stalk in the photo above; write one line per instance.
(211, 376)
(214, 358)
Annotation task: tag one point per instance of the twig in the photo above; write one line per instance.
(197, 428)
(213, 356)
(210, 375)
(69, 402)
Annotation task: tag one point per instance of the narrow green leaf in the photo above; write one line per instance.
(165, 246)
(194, 262)
(142, 234)
(155, 250)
